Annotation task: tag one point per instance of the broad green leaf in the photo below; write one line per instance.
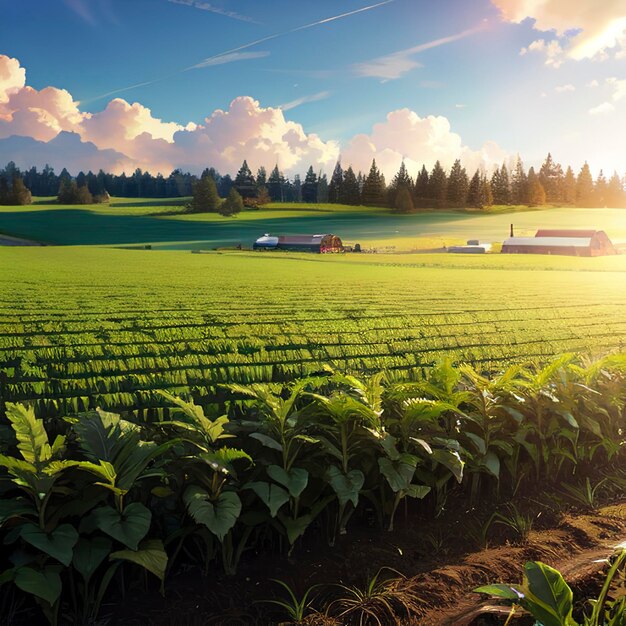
(479, 442)
(89, 554)
(388, 443)
(10, 509)
(58, 544)
(272, 495)
(295, 480)
(295, 527)
(267, 441)
(44, 584)
(452, 460)
(129, 527)
(546, 595)
(32, 439)
(219, 515)
(151, 556)
(346, 486)
(399, 474)
(492, 463)
(418, 491)
(500, 591)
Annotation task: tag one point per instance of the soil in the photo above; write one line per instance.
(440, 566)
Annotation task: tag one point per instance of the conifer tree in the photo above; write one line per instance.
(584, 187)
(458, 186)
(349, 188)
(275, 185)
(336, 181)
(83, 195)
(205, 198)
(322, 188)
(551, 178)
(486, 194)
(536, 192)
(403, 200)
(261, 177)
(245, 184)
(420, 191)
(600, 191)
(401, 180)
(373, 193)
(309, 187)
(569, 187)
(500, 186)
(20, 195)
(519, 183)
(438, 186)
(615, 192)
(474, 197)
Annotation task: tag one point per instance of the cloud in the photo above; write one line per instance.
(206, 6)
(48, 126)
(551, 49)
(589, 28)
(405, 136)
(230, 58)
(395, 65)
(619, 88)
(594, 83)
(81, 9)
(602, 109)
(565, 88)
(65, 150)
(322, 95)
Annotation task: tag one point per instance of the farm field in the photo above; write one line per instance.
(156, 222)
(82, 327)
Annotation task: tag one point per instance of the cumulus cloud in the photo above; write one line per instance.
(602, 109)
(589, 29)
(550, 49)
(39, 126)
(565, 88)
(405, 136)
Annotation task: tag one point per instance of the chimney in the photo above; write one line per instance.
(512, 235)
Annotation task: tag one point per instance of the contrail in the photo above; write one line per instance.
(208, 61)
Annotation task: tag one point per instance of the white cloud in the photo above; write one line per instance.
(593, 84)
(602, 109)
(206, 6)
(395, 65)
(12, 78)
(600, 26)
(619, 88)
(565, 88)
(405, 136)
(551, 49)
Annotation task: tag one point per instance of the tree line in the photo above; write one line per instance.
(436, 188)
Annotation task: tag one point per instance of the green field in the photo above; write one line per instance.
(86, 326)
(137, 221)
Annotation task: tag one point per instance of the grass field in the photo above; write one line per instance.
(138, 222)
(84, 326)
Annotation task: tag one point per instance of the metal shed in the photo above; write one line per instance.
(563, 242)
(300, 243)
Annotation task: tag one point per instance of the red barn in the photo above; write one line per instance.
(565, 242)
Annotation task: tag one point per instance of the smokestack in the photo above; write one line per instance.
(512, 231)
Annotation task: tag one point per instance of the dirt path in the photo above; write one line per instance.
(578, 549)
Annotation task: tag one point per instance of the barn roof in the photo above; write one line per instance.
(558, 242)
(546, 232)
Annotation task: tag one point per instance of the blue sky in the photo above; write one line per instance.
(338, 78)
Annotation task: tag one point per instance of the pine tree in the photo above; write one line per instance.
(309, 187)
(403, 200)
(4, 191)
(83, 195)
(261, 177)
(336, 181)
(458, 186)
(245, 184)
(551, 178)
(438, 186)
(536, 192)
(500, 186)
(486, 195)
(600, 191)
(584, 187)
(20, 195)
(349, 188)
(474, 197)
(322, 188)
(569, 187)
(275, 185)
(615, 192)
(233, 204)
(519, 184)
(373, 193)
(420, 191)
(401, 180)
(205, 197)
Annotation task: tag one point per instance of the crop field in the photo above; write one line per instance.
(161, 224)
(86, 327)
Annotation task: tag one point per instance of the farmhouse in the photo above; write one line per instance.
(300, 243)
(565, 242)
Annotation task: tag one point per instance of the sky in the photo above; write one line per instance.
(162, 84)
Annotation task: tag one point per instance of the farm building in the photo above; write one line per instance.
(565, 242)
(300, 243)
